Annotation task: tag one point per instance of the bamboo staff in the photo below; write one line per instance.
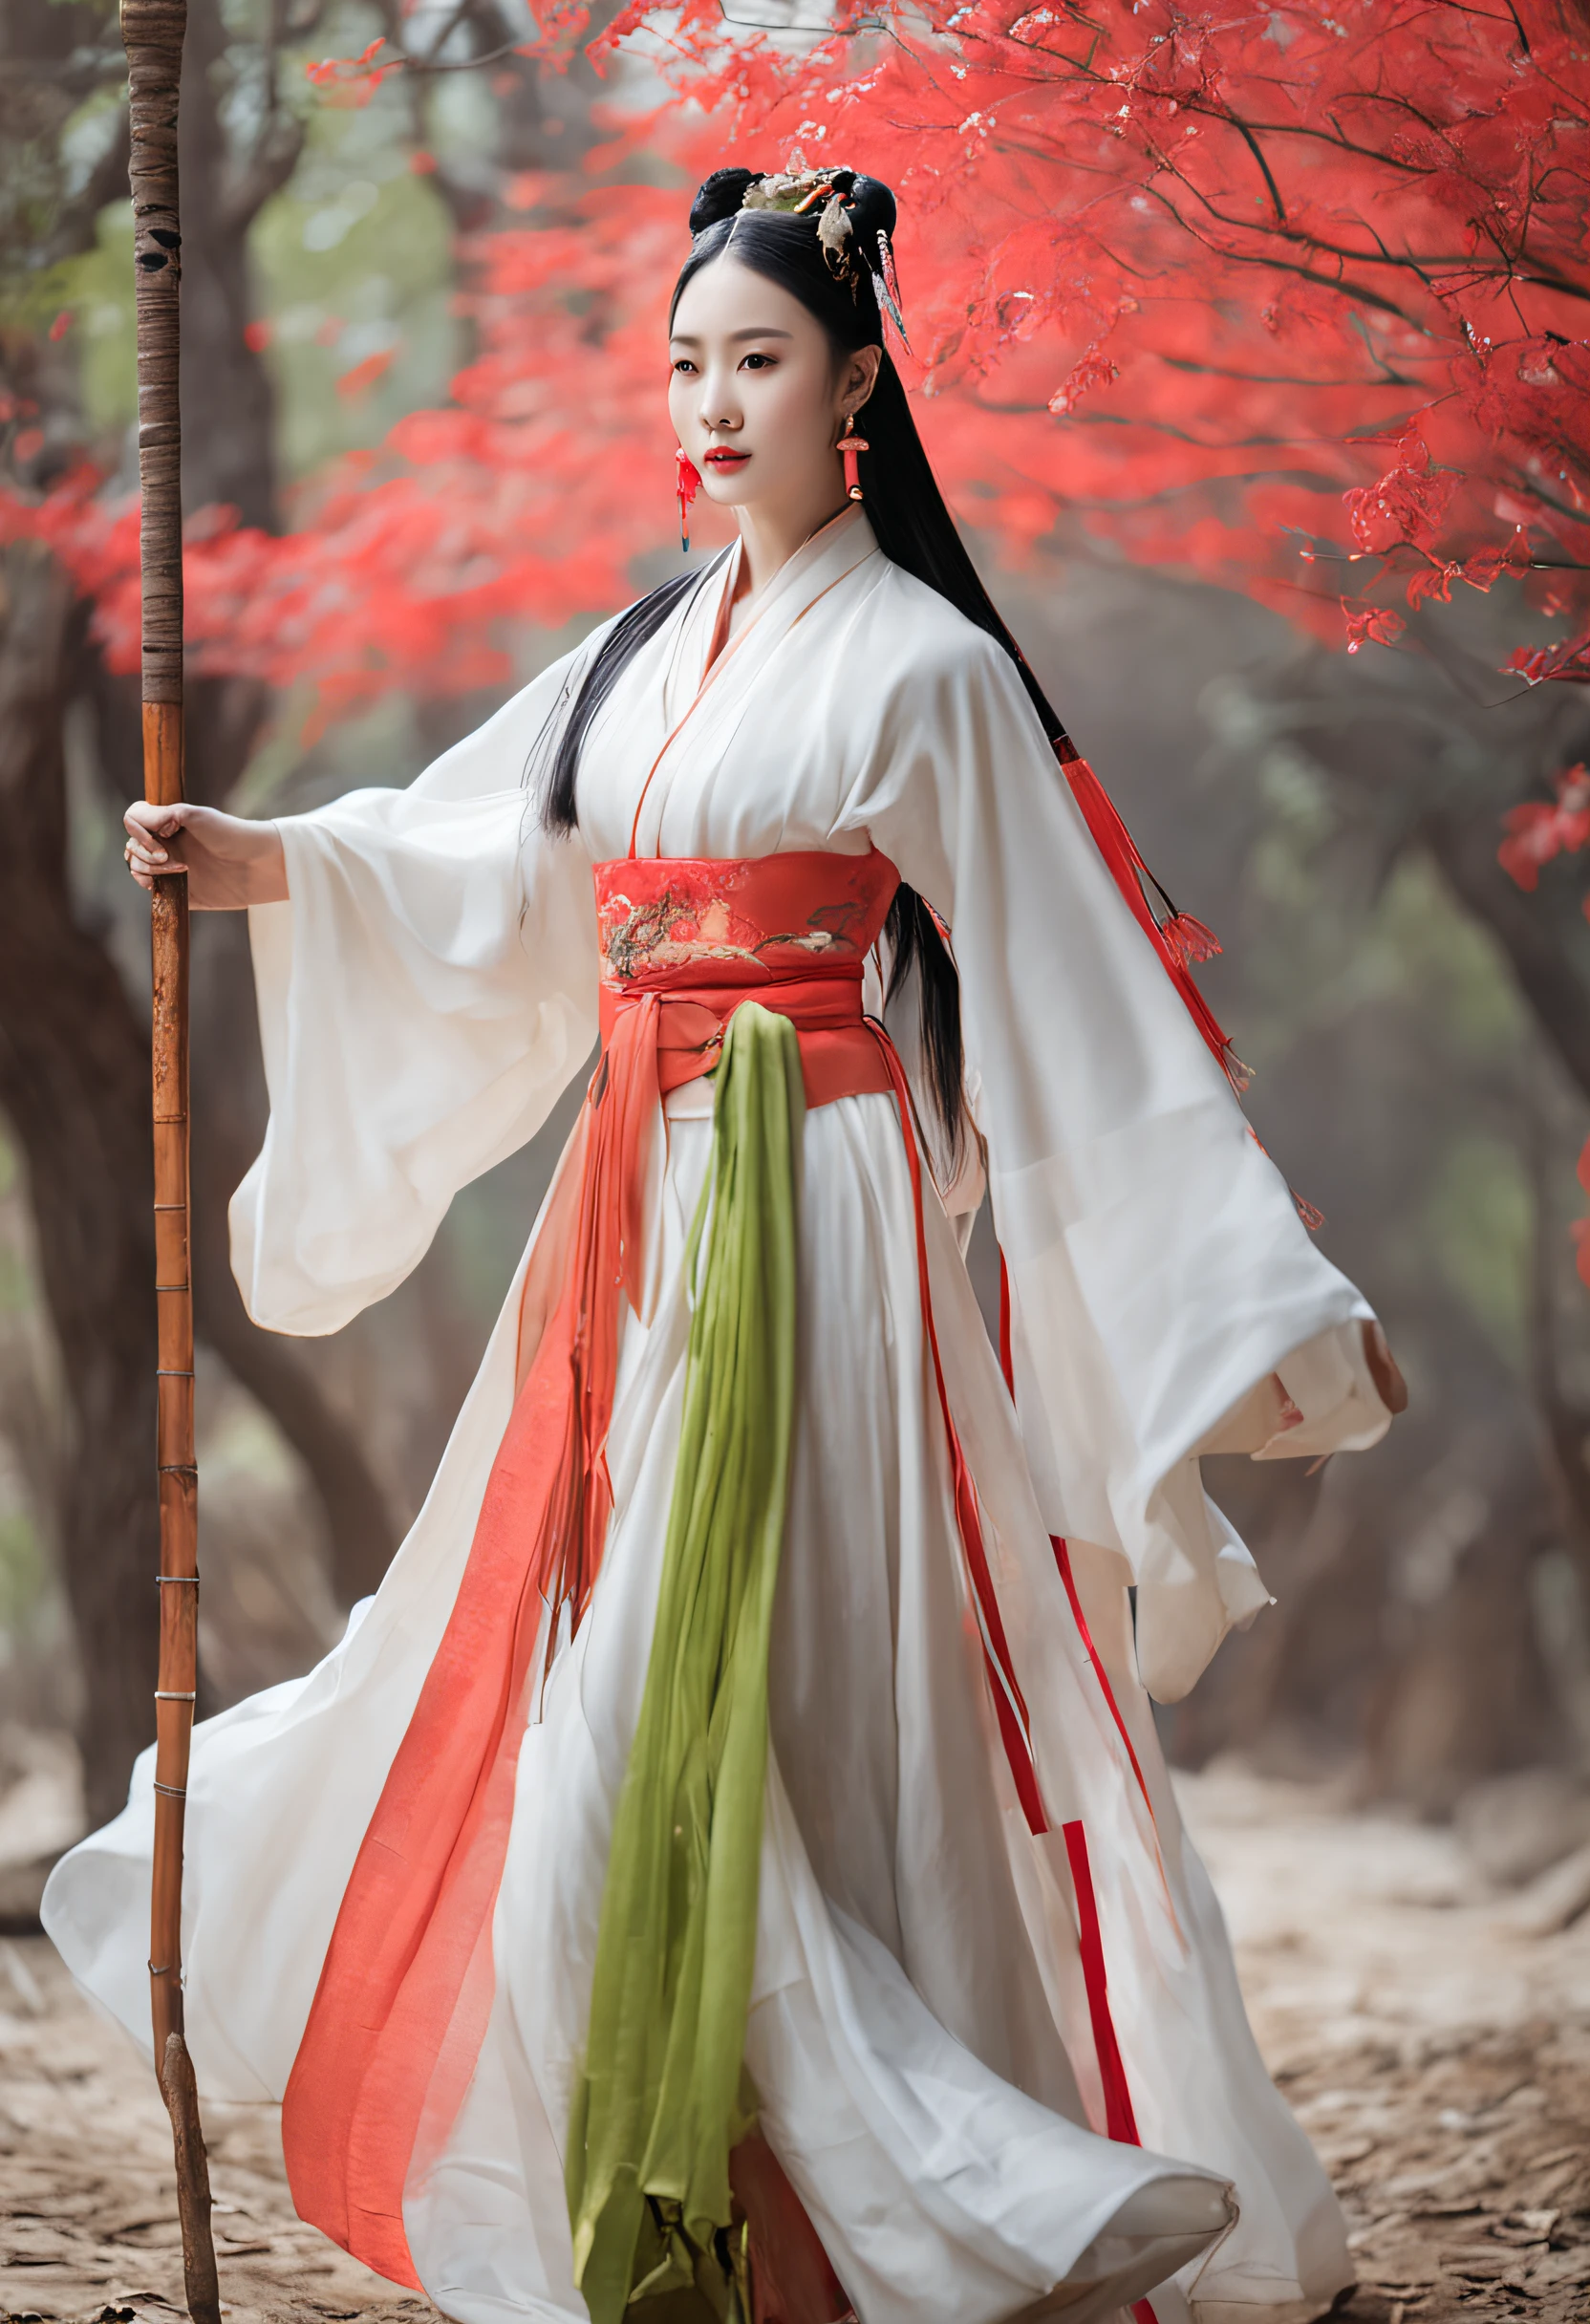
(152, 31)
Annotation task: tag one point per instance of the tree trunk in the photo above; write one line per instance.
(228, 403)
(1541, 933)
(74, 1085)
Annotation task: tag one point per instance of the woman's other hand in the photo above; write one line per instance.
(230, 861)
(1384, 1370)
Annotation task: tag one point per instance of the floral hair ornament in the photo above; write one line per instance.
(855, 214)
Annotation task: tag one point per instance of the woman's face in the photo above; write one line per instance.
(757, 395)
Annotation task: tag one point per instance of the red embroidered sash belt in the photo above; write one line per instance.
(840, 1056)
(791, 932)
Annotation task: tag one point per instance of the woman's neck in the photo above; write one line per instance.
(770, 538)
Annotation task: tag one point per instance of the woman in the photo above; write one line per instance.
(729, 1864)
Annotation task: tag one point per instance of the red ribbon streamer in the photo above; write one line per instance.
(1116, 844)
(1063, 1558)
(1009, 1703)
(1120, 2119)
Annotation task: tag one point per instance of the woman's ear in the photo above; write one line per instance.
(861, 377)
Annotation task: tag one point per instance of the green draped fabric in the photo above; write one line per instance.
(664, 2095)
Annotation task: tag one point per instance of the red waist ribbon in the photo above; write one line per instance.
(406, 1990)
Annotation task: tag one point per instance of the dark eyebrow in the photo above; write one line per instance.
(684, 338)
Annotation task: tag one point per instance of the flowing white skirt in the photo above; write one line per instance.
(919, 2034)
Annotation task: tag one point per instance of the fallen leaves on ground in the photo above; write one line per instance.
(1436, 2051)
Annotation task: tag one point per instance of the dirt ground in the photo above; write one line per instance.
(1436, 2046)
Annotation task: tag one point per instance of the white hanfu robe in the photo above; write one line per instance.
(920, 2034)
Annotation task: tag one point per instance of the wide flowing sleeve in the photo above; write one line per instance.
(425, 995)
(1159, 1272)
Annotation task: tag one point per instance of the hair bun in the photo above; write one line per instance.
(720, 196)
(873, 212)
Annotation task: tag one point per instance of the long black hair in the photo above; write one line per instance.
(914, 528)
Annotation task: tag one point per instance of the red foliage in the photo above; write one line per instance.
(1290, 298)
(351, 81)
(1199, 277)
(527, 498)
(1383, 624)
(1537, 830)
(362, 377)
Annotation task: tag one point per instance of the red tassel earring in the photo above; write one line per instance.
(851, 448)
(688, 485)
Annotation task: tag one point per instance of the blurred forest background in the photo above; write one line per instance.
(1420, 1026)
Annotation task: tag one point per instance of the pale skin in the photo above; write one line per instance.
(759, 403)
(760, 400)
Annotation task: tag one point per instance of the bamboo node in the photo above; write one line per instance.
(173, 1694)
(172, 1790)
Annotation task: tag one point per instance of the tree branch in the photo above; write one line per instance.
(78, 221)
(1464, 847)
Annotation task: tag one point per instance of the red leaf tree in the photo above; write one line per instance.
(1266, 293)
(1293, 300)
